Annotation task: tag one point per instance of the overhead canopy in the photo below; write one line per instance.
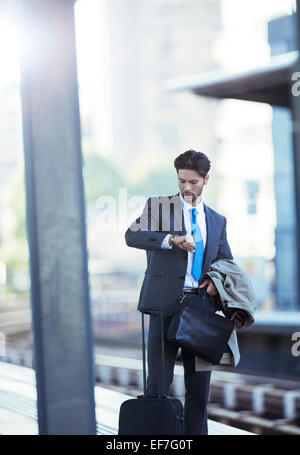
(267, 84)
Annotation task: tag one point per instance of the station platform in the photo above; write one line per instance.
(18, 410)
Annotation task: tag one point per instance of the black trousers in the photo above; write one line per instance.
(196, 383)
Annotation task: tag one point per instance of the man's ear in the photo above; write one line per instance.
(206, 178)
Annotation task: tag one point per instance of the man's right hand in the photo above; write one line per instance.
(185, 242)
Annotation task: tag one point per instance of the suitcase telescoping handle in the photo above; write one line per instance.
(162, 342)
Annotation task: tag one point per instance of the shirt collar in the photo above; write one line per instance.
(187, 206)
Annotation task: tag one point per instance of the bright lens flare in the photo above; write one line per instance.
(9, 51)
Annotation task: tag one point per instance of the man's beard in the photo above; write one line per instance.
(191, 197)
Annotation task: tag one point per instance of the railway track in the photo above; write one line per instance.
(19, 413)
(261, 405)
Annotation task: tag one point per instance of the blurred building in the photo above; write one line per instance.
(127, 49)
(282, 39)
(145, 43)
(142, 43)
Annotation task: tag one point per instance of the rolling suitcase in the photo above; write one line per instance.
(151, 414)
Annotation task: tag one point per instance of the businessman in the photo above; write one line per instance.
(182, 236)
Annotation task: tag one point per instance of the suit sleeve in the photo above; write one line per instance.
(144, 233)
(224, 251)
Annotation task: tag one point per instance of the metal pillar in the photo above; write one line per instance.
(63, 343)
(295, 105)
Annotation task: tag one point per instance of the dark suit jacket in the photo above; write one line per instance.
(166, 268)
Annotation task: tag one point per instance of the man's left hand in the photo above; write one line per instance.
(211, 288)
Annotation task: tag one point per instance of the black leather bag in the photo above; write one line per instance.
(198, 329)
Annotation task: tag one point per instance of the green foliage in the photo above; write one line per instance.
(100, 177)
(157, 182)
(17, 203)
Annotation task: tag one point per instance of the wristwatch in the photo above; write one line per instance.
(172, 239)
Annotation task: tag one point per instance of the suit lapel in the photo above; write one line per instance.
(177, 217)
(210, 227)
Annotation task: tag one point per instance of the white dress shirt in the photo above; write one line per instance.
(190, 281)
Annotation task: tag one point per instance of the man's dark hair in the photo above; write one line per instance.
(191, 159)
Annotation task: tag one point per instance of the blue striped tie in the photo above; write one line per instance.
(199, 249)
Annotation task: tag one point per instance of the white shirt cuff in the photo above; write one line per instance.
(165, 243)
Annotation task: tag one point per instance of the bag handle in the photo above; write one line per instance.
(144, 356)
(164, 395)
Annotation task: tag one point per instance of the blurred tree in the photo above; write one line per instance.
(14, 248)
(17, 203)
(101, 177)
(157, 182)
